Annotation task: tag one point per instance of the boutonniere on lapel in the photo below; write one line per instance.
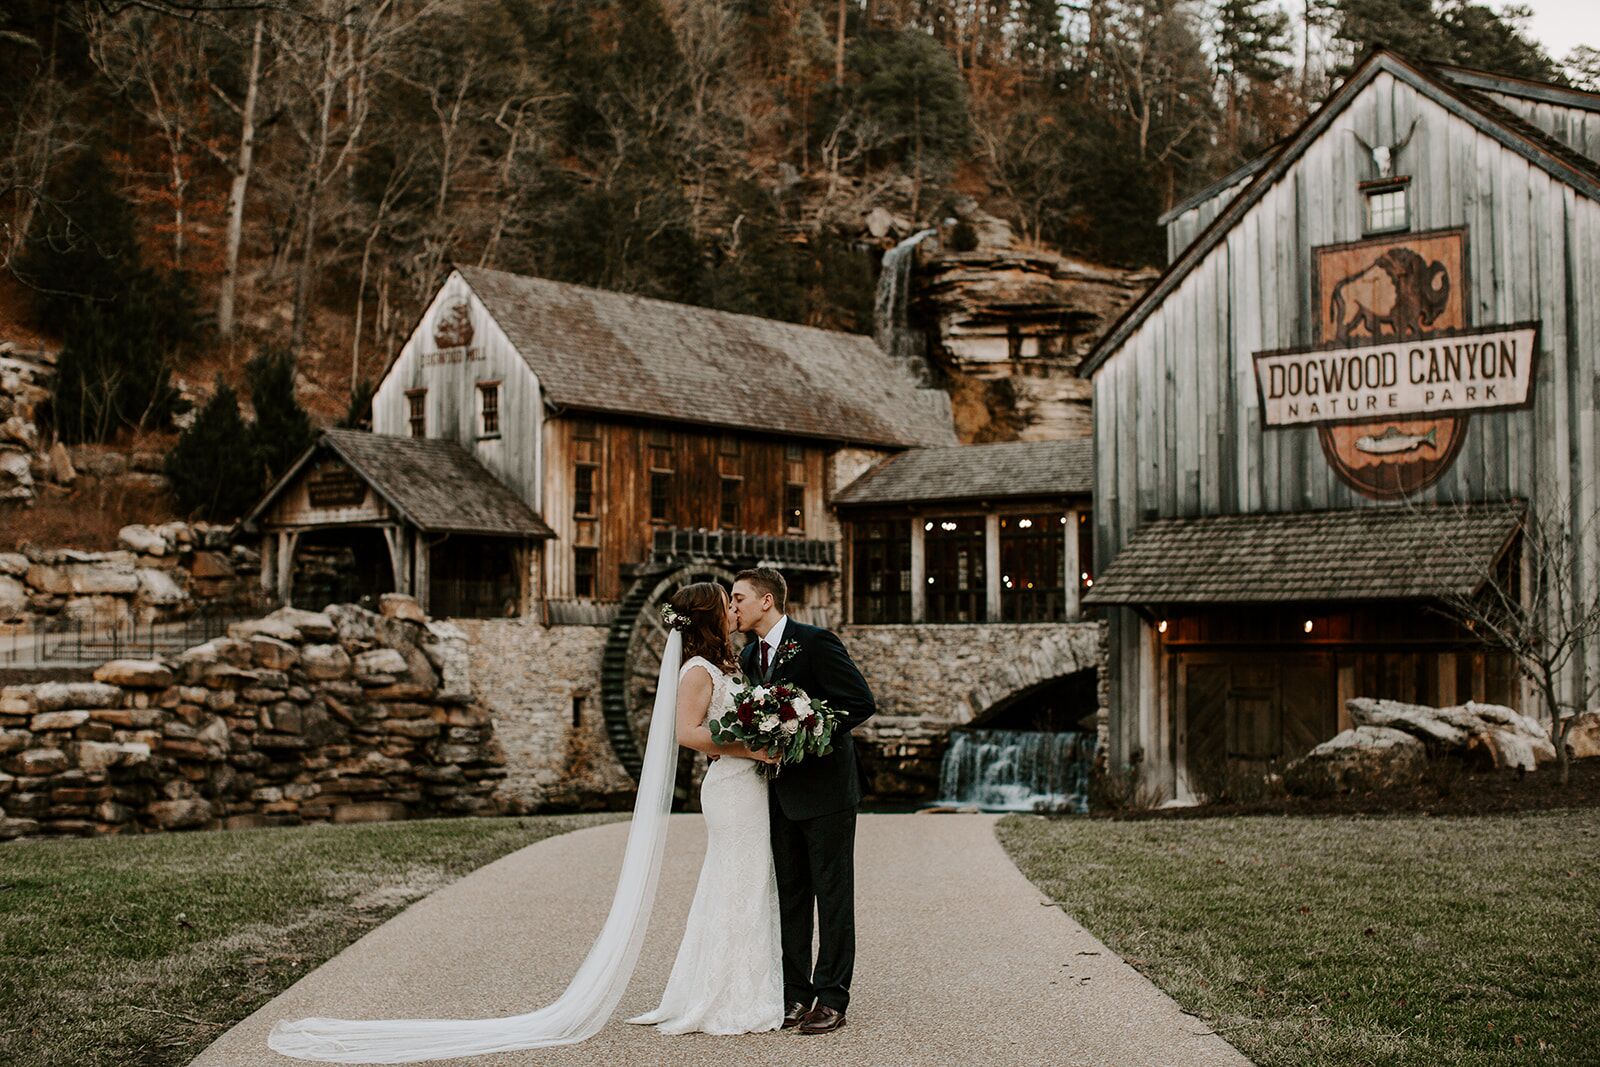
(787, 650)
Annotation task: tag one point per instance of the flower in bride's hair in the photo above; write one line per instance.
(672, 620)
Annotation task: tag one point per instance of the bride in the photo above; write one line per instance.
(727, 978)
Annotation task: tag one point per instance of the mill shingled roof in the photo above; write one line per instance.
(596, 350)
(977, 472)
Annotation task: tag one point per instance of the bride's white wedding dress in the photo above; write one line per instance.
(728, 976)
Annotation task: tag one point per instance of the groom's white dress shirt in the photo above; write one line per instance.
(774, 636)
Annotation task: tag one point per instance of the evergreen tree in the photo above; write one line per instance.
(82, 247)
(282, 429)
(213, 468)
(358, 416)
(1445, 31)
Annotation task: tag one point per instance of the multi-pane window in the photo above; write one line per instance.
(584, 570)
(732, 497)
(583, 477)
(417, 406)
(954, 552)
(793, 451)
(660, 496)
(1388, 209)
(728, 445)
(794, 508)
(1032, 555)
(880, 577)
(489, 409)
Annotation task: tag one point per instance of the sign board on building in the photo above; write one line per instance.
(1397, 366)
(335, 485)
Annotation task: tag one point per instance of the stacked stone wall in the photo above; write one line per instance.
(344, 715)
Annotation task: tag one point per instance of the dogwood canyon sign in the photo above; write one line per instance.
(1397, 368)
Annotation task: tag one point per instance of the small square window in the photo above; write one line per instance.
(586, 430)
(1388, 209)
(661, 438)
(660, 495)
(728, 445)
(732, 499)
(794, 451)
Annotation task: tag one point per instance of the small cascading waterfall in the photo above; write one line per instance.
(1018, 770)
(890, 318)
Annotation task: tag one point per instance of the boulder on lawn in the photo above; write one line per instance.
(1583, 736)
(1365, 759)
(1489, 734)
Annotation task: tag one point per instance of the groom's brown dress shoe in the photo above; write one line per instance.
(822, 1020)
(794, 1013)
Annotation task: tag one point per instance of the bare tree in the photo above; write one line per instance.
(1538, 601)
(243, 164)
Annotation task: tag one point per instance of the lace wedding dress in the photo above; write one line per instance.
(728, 976)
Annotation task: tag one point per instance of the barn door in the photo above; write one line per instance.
(1247, 715)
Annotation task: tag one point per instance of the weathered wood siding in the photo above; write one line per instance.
(624, 453)
(1186, 227)
(452, 399)
(1177, 421)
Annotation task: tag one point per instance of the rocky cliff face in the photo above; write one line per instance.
(1009, 327)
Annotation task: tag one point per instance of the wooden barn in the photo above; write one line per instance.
(1372, 353)
(609, 433)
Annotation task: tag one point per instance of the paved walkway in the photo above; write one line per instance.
(959, 961)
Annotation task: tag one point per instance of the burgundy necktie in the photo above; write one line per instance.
(765, 670)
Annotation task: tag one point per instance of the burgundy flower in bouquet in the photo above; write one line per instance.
(781, 719)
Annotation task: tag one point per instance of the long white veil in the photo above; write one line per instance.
(598, 986)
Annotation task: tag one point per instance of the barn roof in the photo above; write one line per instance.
(1359, 554)
(602, 351)
(436, 485)
(1447, 87)
(1010, 469)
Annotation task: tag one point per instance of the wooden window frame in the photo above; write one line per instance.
(585, 430)
(875, 545)
(737, 482)
(790, 524)
(1032, 566)
(590, 554)
(417, 411)
(486, 390)
(593, 470)
(728, 444)
(666, 518)
(1370, 191)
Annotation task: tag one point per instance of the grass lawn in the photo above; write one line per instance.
(141, 950)
(1349, 940)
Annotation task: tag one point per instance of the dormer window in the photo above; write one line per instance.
(1388, 205)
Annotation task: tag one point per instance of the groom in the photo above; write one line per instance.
(812, 803)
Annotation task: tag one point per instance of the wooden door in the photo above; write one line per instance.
(1246, 715)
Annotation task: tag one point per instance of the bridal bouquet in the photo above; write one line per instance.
(780, 718)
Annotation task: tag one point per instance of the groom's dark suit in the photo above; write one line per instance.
(813, 808)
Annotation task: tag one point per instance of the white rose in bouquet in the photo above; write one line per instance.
(769, 723)
(816, 725)
(792, 727)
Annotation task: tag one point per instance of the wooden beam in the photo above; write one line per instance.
(419, 558)
(1072, 567)
(919, 571)
(991, 567)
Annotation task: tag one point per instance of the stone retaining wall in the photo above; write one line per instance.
(344, 715)
(159, 573)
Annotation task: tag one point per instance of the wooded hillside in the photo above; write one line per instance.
(186, 183)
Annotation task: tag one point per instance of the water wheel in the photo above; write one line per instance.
(632, 664)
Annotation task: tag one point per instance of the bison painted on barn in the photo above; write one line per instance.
(1400, 290)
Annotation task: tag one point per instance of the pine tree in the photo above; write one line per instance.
(282, 429)
(213, 467)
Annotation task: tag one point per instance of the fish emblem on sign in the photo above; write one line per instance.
(1404, 287)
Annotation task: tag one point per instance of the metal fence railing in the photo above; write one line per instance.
(45, 642)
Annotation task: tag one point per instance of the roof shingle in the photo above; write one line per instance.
(612, 352)
(436, 484)
(1357, 554)
(977, 472)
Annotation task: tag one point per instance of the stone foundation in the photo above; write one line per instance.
(558, 755)
(341, 716)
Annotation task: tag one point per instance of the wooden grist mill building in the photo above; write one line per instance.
(1372, 352)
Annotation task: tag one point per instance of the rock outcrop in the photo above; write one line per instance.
(296, 717)
(1392, 742)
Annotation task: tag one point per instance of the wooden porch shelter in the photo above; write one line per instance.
(409, 515)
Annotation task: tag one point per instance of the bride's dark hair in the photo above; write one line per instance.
(704, 606)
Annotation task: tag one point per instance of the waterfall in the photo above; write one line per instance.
(1018, 770)
(889, 310)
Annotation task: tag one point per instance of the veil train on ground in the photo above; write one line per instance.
(594, 991)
